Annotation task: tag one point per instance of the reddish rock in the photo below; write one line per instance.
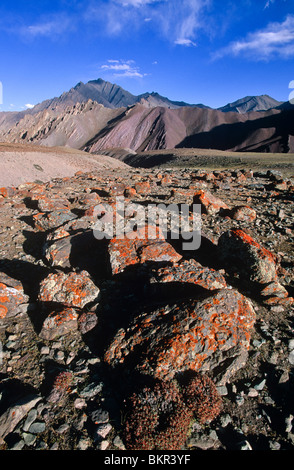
(210, 204)
(117, 189)
(8, 192)
(72, 290)
(274, 289)
(130, 192)
(91, 199)
(191, 272)
(196, 335)
(59, 324)
(87, 321)
(143, 187)
(48, 221)
(285, 302)
(51, 204)
(243, 213)
(12, 297)
(241, 253)
(147, 244)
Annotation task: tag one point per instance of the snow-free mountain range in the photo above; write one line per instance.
(99, 115)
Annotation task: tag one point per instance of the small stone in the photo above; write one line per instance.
(100, 416)
(63, 428)
(225, 420)
(260, 385)
(45, 350)
(37, 427)
(274, 445)
(92, 390)
(18, 445)
(83, 444)
(29, 438)
(244, 445)
(80, 403)
(59, 355)
(32, 416)
(103, 445)
(117, 442)
(104, 430)
(222, 390)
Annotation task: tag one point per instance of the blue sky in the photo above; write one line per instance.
(198, 51)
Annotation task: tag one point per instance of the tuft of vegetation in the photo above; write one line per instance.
(159, 417)
(202, 398)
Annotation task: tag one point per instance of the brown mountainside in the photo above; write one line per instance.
(92, 127)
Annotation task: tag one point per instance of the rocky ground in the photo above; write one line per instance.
(85, 323)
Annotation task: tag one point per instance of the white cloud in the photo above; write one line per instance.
(135, 3)
(174, 20)
(185, 42)
(122, 68)
(52, 26)
(275, 41)
(29, 106)
(268, 3)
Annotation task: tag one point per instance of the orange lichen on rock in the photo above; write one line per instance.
(145, 244)
(191, 336)
(210, 204)
(240, 252)
(59, 323)
(12, 296)
(190, 271)
(72, 290)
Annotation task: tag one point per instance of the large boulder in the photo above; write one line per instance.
(241, 253)
(212, 334)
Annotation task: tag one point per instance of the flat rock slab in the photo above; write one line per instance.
(200, 335)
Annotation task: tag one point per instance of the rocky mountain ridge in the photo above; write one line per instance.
(100, 115)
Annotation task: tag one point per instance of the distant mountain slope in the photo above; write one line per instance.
(251, 104)
(92, 127)
(114, 118)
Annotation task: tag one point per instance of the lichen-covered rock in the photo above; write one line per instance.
(12, 296)
(210, 204)
(243, 213)
(51, 204)
(190, 271)
(59, 323)
(241, 253)
(146, 244)
(199, 335)
(72, 290)
(49, 220)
